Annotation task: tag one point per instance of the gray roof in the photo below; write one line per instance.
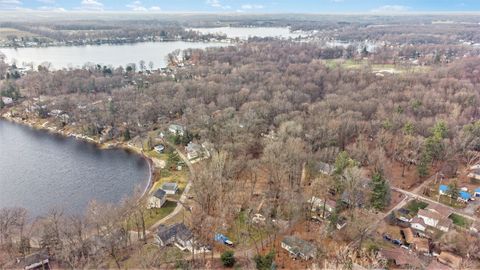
(299, 245)
(325, 168)
(193, 147)
(175, 231)
(160, 193)
(176, 127)
(170, 186)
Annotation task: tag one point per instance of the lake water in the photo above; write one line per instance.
(113, 55)
(247, 32)
(40, 171)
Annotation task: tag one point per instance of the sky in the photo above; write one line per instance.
(247, 6)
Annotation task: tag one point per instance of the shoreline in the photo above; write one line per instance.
(102, 146)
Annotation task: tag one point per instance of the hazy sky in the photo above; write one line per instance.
(257, 6)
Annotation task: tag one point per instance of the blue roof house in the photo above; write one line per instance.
(443, 190)
(464, 196)
(477, 192)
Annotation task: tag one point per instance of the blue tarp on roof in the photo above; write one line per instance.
(465, 195)
(443, 188)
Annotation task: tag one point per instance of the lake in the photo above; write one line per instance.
(40, 171)
(110, 55)
(246, 32)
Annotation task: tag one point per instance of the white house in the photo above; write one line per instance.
(436, 216)
(176, 129)
(157, 199)
(418, 224)
(317, 205)
(193, 150)
(7, 100)
(170, 188)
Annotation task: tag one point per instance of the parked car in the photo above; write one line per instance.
(397, 242)
(387, 237)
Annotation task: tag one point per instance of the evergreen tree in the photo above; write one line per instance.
(228, 258)
(380, 191)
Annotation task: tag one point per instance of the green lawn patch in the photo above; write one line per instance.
(154, 215)
(460, 221)
(242, 230)
(415, 205)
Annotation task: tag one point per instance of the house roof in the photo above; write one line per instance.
(418, 221)
(303, 247)
(440, 209)
(429, 214)
(450, 259)
(465, 195)
(400, 257)
(160, 193)
(193, 147)
(35, 258)
(477, 190)
(318, 202)
(421, 244)
(170, 186)
(408, 235)
(178, 230)
(325, 167)
(176, 127)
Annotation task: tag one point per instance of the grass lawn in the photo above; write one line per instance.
(450, 202)
(242, 229)
(415, 205)
(179, 177)
(154, 215)
(460, 221)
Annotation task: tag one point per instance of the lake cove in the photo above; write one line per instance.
(41, 171)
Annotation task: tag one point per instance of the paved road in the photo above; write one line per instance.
(184, 196)
(429, 200)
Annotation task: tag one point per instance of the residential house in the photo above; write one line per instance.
(39, 260)
(475, 172)
(443, 190)
(436, 215)
(159, 148)
(477, 192)
(170, 188)
(317, 207)
(435, 219)
(176, 129)
(421, 245)
(356, 197)
(400, 257)
(177, 234)
(464, 196)
(299, 248)
(450, 259)
(341, 223)
(193, 150)
(418, 224)
(157, 199)
(7, 100)
(402, 214)
(325, 168)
